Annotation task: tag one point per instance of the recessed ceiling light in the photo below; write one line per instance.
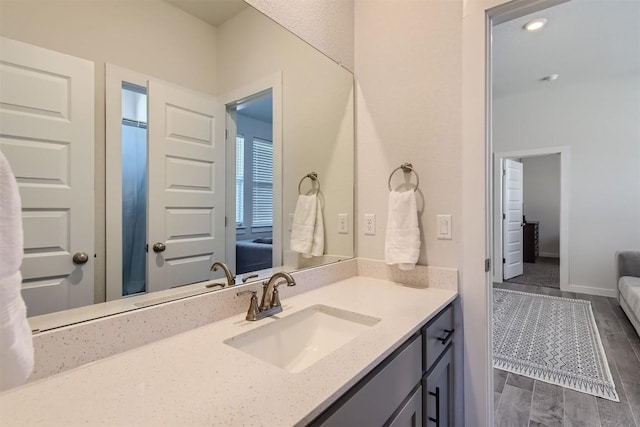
(550, 77)
(535, 25)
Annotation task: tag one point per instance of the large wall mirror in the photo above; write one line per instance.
(207, 123)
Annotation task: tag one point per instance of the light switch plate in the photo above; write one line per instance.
(443, 227)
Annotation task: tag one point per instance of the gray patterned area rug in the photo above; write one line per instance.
(550, 339)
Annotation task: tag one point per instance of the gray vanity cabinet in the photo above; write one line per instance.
(412, 387)
(438, 396)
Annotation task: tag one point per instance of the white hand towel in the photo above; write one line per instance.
(307, 231)
(402, 243)
(304, 223)
(317, 246)
(16, 345)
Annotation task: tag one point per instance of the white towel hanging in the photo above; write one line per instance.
(402, 242)
(307, 232)
(16, 343)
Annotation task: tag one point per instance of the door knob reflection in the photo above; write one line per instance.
(159, 247)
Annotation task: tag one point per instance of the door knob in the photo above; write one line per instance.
(80, 258)
(159, 247)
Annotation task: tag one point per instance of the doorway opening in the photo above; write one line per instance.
(252, 120)
(253, 153)
(531, 217)
(534, 115)
(162, 189)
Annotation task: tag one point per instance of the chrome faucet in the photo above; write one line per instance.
(270, 304)
(230, 279)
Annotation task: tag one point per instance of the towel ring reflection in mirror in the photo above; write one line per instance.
(406, 168)
(313, 176)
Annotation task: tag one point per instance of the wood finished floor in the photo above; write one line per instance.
(522, 401)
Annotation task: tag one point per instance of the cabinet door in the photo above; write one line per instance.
(438, 393)
(411, 413)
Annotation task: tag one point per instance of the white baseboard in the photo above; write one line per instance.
(590, 290)
(548, 255)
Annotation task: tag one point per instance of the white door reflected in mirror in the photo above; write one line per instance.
(46, 131)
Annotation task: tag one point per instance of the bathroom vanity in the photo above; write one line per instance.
(411, 387)
(395, 356)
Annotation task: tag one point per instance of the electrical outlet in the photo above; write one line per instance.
(343, 223)
(370, 224)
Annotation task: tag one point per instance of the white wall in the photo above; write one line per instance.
(599, 123)
(134, 106)
(132, 35)
(408, 71)
(318, 130)
(541, 192)
(325, 24)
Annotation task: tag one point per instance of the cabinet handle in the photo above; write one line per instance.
(447, 337)
(437, 396)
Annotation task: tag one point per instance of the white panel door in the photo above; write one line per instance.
(512, 218)
(186, 187)
(47, 134)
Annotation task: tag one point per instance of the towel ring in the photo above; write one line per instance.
(406, 168)
(314, 178)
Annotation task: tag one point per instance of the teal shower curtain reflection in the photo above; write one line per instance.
(134, 208)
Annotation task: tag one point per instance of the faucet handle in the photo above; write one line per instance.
(249, 276)
(275, 296)
(213, 285)
(253, 312)
(246, 293)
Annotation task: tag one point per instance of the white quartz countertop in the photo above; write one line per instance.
(194, 379)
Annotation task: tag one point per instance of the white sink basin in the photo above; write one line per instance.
(296, 342)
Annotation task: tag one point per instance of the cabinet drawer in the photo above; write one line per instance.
(437, 335)
(377, 399)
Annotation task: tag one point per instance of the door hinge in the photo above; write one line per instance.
(504, 261)
(225, 221)
(146, 247)
(226, 134)
(504, 216)
(487, 265)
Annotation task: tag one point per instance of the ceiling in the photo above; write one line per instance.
(213, 12)
(583, 41)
